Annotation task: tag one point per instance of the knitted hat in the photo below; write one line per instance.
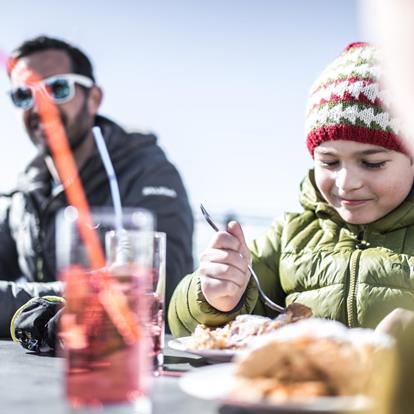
(347, 102)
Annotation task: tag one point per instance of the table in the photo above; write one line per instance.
(31, 383)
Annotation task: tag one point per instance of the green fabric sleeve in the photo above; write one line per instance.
(189, 307)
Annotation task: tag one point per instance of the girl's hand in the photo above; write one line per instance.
(223, 268)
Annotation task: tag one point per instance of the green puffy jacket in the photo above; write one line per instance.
(354, 274)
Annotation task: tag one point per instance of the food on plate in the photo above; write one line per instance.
(313, 358)
(238, 333)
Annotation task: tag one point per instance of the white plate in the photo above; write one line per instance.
(209, 382)
(214, 355)
(215, 382)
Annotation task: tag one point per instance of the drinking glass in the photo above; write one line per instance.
(157, 297)
(105, 326)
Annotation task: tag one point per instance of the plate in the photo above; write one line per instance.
(215, 382)
(214, 355)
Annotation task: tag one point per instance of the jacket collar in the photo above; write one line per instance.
(37, 180)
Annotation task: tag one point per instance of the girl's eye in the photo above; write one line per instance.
(328, 164)
(373, 165)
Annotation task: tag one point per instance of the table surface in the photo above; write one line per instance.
(31, 383)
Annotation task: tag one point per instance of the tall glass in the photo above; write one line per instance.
(105, 325)
(157, 295)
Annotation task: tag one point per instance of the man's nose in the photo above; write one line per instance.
(34, 109)
(348, 179)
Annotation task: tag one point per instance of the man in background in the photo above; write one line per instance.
(27, 215)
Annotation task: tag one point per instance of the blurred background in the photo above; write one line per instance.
(222, 83)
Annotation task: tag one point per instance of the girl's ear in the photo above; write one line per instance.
(94, 100)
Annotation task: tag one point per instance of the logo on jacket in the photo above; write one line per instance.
(406, 268)
(159, 191)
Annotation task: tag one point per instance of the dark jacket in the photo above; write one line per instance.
(355, 274)
(27, 216)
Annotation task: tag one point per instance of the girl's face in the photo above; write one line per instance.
(362, 182)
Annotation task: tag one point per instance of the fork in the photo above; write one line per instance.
(268, 302)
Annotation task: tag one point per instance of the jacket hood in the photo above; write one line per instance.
(311, 199)
(122, 146)
(120, 143)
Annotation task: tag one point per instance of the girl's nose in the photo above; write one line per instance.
(347, 179)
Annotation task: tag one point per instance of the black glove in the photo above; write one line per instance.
(35, 324)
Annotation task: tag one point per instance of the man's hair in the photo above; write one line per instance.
(80, 62)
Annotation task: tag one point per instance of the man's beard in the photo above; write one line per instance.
(76, 133)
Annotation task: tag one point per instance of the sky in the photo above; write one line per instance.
(222, 83)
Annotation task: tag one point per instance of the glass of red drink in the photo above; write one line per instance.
(105, 326)
(157, 298)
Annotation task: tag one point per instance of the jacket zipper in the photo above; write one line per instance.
(350, 305)
(353, 267)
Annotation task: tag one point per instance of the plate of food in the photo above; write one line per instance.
(186, 344)
(312, 366)
(221, 344)
(217, 382)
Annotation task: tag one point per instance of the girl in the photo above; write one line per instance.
(349, 255)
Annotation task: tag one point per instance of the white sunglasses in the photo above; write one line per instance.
(58, 88)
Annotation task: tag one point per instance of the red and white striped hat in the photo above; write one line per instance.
(347, 102)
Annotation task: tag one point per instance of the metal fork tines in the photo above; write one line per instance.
(268, 302)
